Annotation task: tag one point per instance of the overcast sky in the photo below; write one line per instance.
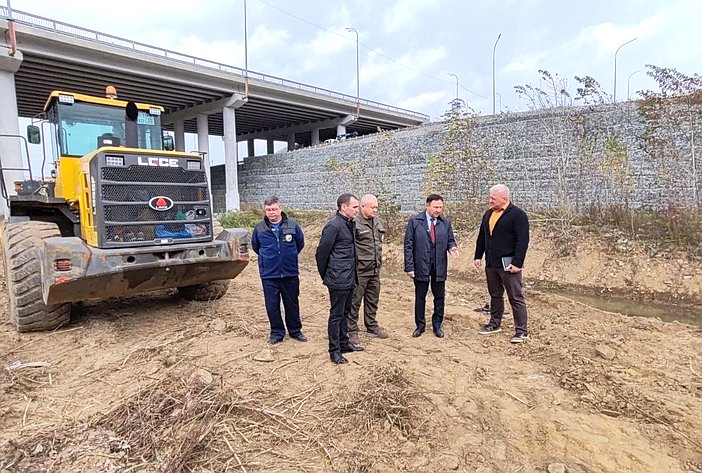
(408, 47)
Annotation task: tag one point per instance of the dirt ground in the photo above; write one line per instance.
(154, 383)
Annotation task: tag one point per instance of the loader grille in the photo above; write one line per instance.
(146, 174)
(180, 209)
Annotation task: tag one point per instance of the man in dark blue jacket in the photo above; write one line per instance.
(504, 239)
(277, 240)
(336, 262)
(428, 240)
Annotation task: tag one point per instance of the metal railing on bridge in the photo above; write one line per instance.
(59, 27)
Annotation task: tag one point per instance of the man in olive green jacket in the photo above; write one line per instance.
(369, 249)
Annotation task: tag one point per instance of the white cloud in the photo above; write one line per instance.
(525, 64)
(409, 66)
(325, 49)
(427, 101)
(609, 36)
(404, 15)
(225, 52)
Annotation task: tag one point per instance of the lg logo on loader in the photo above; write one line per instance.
(163, 162)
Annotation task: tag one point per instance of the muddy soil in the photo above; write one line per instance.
(155, 383)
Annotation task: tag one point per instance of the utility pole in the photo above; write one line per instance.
(493, 72)
(358, 76)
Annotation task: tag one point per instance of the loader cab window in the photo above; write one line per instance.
(81, 126)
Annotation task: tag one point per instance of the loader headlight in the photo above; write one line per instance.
(194, 165)
(114, 160)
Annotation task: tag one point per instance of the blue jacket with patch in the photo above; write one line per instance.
(277, 251)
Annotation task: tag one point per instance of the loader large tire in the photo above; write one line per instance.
(205, 292)
(21, 245)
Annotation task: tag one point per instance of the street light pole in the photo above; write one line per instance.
(493, 72)
(246, 55)
(615, 66)
(628, 83)
(11, 30)
(358, 75)
(454, 75)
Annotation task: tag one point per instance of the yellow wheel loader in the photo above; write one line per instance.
(122, 214)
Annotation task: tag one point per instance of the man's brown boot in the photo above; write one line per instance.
(354, 338)
(379, 332)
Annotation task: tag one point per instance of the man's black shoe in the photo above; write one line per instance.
(417, 332)
(351, 348)
(273, 341)
(300, 337)
(439, 332)
(337, 358)
(489, 330)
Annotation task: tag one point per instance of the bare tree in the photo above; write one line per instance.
(673, 113)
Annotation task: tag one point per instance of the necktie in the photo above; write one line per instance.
(432, 231)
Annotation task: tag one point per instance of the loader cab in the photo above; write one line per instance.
(84, 123)
(81, 124)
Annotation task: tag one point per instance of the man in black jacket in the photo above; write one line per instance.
(336, 262)
(428, 240)
(503, 239)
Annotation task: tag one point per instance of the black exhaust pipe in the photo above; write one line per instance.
(132, 136)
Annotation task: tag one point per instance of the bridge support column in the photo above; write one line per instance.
(203, 134)
(203, 144)
(270, 146)
(340, 130)
(10, 147)
(231, 155)
(179, 132)
(291, 141)
(315, 136)
(251, 148)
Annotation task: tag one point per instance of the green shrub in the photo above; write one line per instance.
(309, 217)
(247, 218)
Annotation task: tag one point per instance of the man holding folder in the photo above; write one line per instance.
(503, 239)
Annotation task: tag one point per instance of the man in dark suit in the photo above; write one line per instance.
(428, 240)
(504, 239)
(336, 262)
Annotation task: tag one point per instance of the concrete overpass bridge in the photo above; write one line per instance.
(200, 96)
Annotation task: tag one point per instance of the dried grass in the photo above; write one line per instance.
(386, 400)
(191, 424)
(189, 421)
(16, 378)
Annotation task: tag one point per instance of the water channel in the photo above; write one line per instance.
(667, 312)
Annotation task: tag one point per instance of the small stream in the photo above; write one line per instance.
(622, 305)
(667, 312)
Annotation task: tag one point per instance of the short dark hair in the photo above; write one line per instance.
(432, 197)
(271, 200)
(344, 199)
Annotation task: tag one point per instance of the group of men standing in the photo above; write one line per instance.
(349, 259)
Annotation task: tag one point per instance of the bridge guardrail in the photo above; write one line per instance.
(60, 27)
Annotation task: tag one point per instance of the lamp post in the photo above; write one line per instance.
(628, 82)
(493, 72)
(11, 30)
(246, 55)
(358, 75)
(615, 66)
(454, 75)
